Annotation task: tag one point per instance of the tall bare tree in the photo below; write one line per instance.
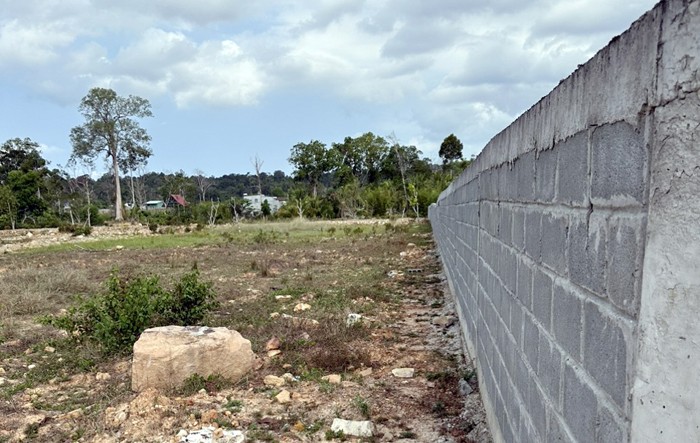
(257, 164)
(110, 129)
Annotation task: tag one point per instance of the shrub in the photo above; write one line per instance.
(76, 230)
(115, 319)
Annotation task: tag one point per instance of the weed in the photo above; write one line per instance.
(266, 237)
(332, 435)
(31, 430)
(234, 406)
(117, 318)
(195, 383)
(362, 406)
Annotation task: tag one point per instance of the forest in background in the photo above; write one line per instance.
(364, 176)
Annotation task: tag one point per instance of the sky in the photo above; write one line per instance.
(229, 80)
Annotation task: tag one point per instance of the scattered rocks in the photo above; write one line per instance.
(333, 379)
(273, 380)
(403, 372)
(211, 434)
(283, 397)
(353, 427)
(165, 357)
(302, 307)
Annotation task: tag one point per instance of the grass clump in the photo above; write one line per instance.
(211, 383)
(114, 320)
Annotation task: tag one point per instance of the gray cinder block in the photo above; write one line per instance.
(618, 165)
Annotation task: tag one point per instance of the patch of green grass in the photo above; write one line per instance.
(361, 404)
(234, 406)
(333, 435)
(195, 383)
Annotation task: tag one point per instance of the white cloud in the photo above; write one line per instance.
(31, 44)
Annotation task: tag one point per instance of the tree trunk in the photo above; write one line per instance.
(118, 216)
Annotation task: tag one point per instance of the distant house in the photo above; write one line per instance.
(153, 205)
(255, 202)
(176, 200)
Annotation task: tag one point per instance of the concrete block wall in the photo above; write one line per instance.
(558, 243)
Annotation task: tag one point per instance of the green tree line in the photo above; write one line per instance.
(364, 176)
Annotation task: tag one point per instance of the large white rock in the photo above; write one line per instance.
(165, 357)
(353, 427)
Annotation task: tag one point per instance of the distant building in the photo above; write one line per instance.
(153, 205)
(176, 200)
(255, 202)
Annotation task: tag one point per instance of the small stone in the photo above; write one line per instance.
(302, 307)
(464, 388)
(2, 371)
(49, 349)
(2, 381)
(274, 314)
(32, 366)
(283, 397)
(119, 247)
(353, 427)
(74, 414)
(403, 372)
(365, 372)
(353, 319)
(27, 352)
(411, 245)
(290, 377)
(444, 322)
(272, 344)
(273, 380)
(182, 433)
(282, 297)
(299, 426)
(333, 379)
(102, 376)
(274, 353)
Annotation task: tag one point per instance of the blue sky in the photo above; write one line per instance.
(229, 80)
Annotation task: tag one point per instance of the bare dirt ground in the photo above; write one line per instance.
(54, 389)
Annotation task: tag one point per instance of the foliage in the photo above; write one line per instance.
(311, 161)
(110, 129)
(116, 318)
(450, 149)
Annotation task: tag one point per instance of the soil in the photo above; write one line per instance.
(417, 328)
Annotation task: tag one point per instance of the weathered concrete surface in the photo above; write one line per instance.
(665, 398)
(572, 244)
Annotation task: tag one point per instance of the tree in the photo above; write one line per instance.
(24, 171)
(311, 160)
(8, 206)
(203, 184)
(450, 149)
(110, 129)
(257, 164)
(265, 209)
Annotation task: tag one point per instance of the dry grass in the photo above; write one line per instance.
(337, 269)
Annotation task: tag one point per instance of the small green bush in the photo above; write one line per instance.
(76, 230)
(115, 319)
